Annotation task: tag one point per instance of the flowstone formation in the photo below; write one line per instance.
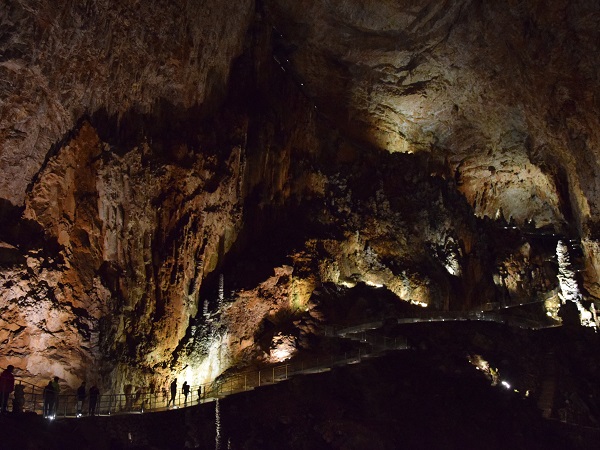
(191, 187)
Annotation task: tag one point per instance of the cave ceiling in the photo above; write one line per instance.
(300, 147)
(496, 91)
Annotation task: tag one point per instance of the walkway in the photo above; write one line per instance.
(446, 316)
(141, 401)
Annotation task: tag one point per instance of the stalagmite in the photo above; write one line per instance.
(221, 292)
(569, 288)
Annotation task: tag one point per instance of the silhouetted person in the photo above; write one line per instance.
(94, 394)
(49, 399)
(81, 395)
(56, 387)
(199, 393)
(128, 397)
(173, 392)
(569, 314)
(7, 385)
(19, 398)
(186, 390)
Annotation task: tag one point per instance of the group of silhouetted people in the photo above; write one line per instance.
(185, 390)
(7, 385)
(52, 392)
(51, 395)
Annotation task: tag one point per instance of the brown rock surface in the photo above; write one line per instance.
(59, 64)
(433, 150)
(500, 91)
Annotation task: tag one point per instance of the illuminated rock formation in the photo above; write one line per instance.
(431, 152)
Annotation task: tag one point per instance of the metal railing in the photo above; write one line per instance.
(443, 316)
(142, 401)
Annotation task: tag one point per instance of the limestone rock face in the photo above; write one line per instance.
(61, 63)
(186, 185)
(498, 91)
(138, 203)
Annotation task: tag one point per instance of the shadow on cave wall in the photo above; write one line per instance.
(23, 235)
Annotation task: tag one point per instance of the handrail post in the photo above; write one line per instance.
(259, 378)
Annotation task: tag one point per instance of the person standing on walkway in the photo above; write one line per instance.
(56, 387)
(18, 399)
(80, 398)
(94, 394)
(173, 392)
(7, 385)
(186, 390)
(49, 400)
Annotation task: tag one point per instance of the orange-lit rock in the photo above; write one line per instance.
(427, 150)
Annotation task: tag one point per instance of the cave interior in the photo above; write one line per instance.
(200, 189)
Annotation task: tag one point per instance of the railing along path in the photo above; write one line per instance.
(143, 401)
(140, 401)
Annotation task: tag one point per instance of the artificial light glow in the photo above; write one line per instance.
(280, 354)
(552, 307)
(452, 265)
(419, 303)
(506, 385)
(282, 347)
(214, 363)
(371, 283)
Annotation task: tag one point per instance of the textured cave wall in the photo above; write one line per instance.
(60, 63)
(501, 93)
(148, 148)
(142, 192)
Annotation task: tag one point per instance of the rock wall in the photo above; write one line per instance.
(149, 148)
(502, 94)
(59, 64)
(140, 200)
